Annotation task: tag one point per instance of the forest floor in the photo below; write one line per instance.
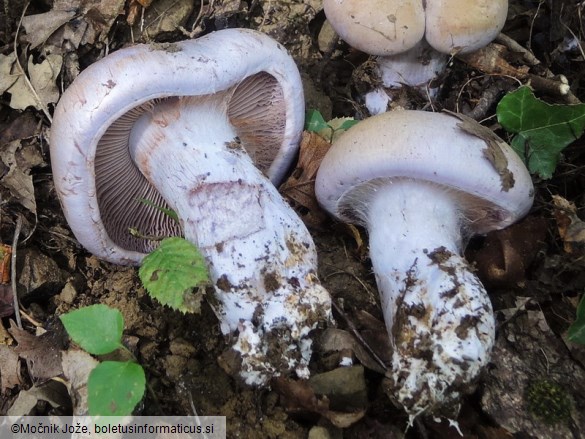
(533, 276)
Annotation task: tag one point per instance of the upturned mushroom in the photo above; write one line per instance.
(410, 38)
(422, 183)
(183, 125)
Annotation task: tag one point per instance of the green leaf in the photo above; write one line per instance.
(96, 328)
(314, 122)
(347, 124)
(542, 130)
(171, 272)
(114, 388)
(168, 212)
(576, 331)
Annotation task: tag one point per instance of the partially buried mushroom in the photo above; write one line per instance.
(412, 37)
(183, 125)
(422, 183)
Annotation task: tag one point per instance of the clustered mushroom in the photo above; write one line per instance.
(410, 38)
(184, 125)
(198, 126)
(422, 183)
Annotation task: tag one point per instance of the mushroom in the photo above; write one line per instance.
(421, 184)
(183, 125)
(410, 38)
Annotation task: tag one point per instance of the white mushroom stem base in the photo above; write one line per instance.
(415, 68)
(437, 312)
(260, 255)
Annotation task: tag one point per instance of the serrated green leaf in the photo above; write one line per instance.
(542, 130)
(576, 332)
(96, 328)
(171, 273)
(314, 122)
(114, 388)
(168, 212)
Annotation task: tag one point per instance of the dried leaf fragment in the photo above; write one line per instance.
(571, 228)
(44, 89)
(40, 27)
(19, 160)
(43, 351)
(299, 189)
(493, 152)
(9, 371)
(7, 76)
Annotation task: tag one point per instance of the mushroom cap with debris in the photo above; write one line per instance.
(489, 180)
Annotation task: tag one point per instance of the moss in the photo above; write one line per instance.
(548, 401)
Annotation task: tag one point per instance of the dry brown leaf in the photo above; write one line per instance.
(97, 17)
(52, 392)
(493, 152)
(40, 27)
(42, 78)
(24, 126)
(505, 255)
(9, 376)
(298, 397)
(571, 228)
(19, 160)
(7, 76)
(299, 189)
(77, 365)
(43, 352)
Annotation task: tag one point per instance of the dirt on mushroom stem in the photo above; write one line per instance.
(244, 229)
(437, 312)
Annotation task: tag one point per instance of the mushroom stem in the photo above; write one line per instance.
(437, 312)
(415, 67)
(260, 255)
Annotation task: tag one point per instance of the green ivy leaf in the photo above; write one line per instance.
(96, 328)
(576, 331)
(114, 388)
(171, 273)
(542, 130)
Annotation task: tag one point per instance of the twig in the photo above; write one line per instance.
(357, 335)
(13, 270)
(514, 46)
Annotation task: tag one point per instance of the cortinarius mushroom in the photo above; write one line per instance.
(411, 37)
(180, 125)
(422, 183)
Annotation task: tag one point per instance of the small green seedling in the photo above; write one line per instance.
(540, 130)
(315, 122)
(576, 332)
(114, 387)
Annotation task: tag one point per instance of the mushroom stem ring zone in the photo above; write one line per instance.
(202, 127)
(422, 183)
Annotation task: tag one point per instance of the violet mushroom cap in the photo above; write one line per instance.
(421, 183)
(412, 37)
(177, 124)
